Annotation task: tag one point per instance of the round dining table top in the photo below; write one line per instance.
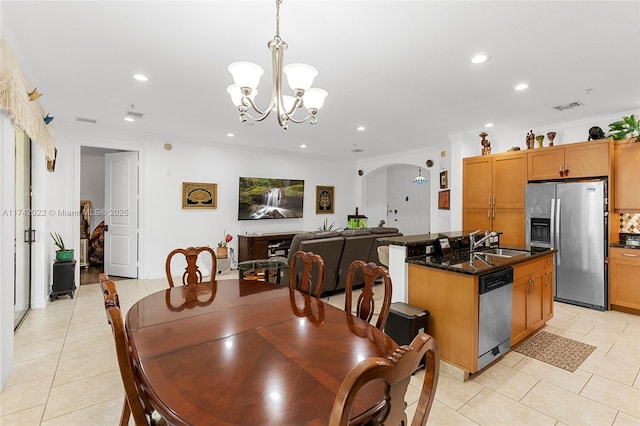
(248, 352)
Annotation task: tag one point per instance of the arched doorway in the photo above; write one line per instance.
(389, 194)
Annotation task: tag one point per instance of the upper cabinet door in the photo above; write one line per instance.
(546, 163)
(509, 180)
(590, 159)
(477, 182)
(627, 176)
(576, 160)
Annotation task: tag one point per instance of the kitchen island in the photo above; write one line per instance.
(404, 247)
(448, 286)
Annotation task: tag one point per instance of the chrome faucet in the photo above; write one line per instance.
(475, 244)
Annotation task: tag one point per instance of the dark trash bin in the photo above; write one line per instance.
(405, 322)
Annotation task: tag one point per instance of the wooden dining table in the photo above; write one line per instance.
(248, 352)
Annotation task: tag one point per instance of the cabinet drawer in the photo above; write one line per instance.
(524, 269)
(630, 255)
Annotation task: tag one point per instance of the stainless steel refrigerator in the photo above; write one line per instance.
(572, 218)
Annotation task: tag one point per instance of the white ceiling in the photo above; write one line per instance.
(402, 69)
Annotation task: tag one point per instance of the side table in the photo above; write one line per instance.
(254, 268)
(64, 279)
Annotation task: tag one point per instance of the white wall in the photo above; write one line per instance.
(164, 225)
(7, 200)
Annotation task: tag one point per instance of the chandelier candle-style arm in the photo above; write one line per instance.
(246, 76)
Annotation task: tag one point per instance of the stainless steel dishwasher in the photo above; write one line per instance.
(494, 322)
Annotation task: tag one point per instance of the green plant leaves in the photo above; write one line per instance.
(628, 127)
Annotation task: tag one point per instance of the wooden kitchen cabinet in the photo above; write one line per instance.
(576, 160)
(624, 285)
(627, 175)
(493, 195)
(532, 304)
(452, 301)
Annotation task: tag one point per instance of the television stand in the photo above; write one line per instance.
(264, 246)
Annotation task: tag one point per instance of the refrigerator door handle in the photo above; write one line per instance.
(558, 230)
(552, 237)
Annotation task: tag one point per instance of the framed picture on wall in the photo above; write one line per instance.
(443, 200)
(196, 195)
(444, 179)
(324, 199)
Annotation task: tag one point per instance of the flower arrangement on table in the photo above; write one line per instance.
(227, 239)
(221, 251)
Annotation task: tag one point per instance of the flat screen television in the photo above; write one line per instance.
(266, 198)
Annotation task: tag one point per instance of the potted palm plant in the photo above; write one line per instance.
(63, 254)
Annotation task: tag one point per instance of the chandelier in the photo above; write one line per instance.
(246, 77)
(420, 179)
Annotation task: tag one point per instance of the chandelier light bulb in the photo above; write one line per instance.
(300, 76)
(246, 74)
(314, 98)
(288, 102)
(236, 94)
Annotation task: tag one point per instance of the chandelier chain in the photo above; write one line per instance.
(277, 36)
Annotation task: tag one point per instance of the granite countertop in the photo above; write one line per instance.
(473, 263)
(421, 239)
(622, 244)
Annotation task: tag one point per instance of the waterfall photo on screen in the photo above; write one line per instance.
(266, 198)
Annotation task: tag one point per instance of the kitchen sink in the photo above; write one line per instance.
(503, 252)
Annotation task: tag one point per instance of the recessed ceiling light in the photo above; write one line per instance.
(303, 146)
(521, 86)
(488, 125)
(481, 58)
(230, 135)
(361, 128)
(140, 77)
(129, 119)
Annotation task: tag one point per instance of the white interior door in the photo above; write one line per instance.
(121, 214)
(408, 203)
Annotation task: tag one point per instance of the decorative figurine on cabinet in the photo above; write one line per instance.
(595, 133)
(486, 145)
(531, 139)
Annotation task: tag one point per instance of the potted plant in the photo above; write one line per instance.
(222, 249)
(627, 128)
(63, 254)
(326, 226)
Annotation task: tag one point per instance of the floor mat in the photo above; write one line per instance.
(556, 350)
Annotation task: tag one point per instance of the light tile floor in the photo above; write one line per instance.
(66, 372)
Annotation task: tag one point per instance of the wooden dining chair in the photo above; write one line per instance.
(395, 371)
(192, 273)
(109, 292)
(306, 273)
(132, 404)
(365, 306)
(134, 399)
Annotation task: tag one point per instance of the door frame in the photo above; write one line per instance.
(19, 234)
(122, 146)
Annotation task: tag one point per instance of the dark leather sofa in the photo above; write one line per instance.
(338, 250)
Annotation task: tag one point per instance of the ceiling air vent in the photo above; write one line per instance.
(86, 120)
(134, 115)
(571, 105)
